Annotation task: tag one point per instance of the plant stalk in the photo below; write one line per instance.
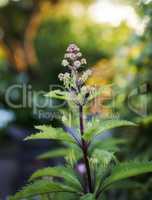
(85, 150)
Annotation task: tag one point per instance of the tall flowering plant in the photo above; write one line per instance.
(91, 167)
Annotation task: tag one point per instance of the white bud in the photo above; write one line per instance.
(64, 119)
(92, 90)
(77, 63)
(89, 72)
(86, 74)
(66, 55)
(79, 54)
(72, 56)
(84, 89)
(61, 76)
(65, 63)
(83, 61)
(66, 75)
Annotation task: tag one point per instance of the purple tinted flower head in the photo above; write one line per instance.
(72, 48)
(75, 81)
(73, 58)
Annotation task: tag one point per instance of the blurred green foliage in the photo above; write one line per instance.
(55, 34)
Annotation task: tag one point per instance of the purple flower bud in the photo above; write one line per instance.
(81, 168)
(72, 48)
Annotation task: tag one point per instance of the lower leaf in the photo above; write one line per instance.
(61, 172)
(127, 170)
(39, 188)
(88, 197)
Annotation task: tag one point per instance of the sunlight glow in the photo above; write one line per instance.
(147, 1)
(104, 11)
(3, 2)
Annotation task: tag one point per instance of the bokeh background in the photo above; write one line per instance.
(116, 38)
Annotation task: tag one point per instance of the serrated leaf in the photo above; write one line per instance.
(58, 94)
(48, 132)
(67, 174)
(88, 196)
(40, 188)
(127, 170)
(54, 154)
(104, 125)
(108, 144)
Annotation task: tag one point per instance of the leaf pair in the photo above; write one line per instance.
(44, 185)
(119, 173)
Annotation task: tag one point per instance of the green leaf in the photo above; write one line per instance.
(40, 188)
(64, 196)
(48, 132)
(127, 170)
(126, 184)
(108, 144)
(101, 126)
(61, 172)
(72, 153)
(146, 121)
(58, 94)
(101, 174)
(88, 196)
(54, 153)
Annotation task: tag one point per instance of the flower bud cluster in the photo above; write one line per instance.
(85, 76)
(66, 78)
(73, 58)
(88, 89)
(73, 81)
